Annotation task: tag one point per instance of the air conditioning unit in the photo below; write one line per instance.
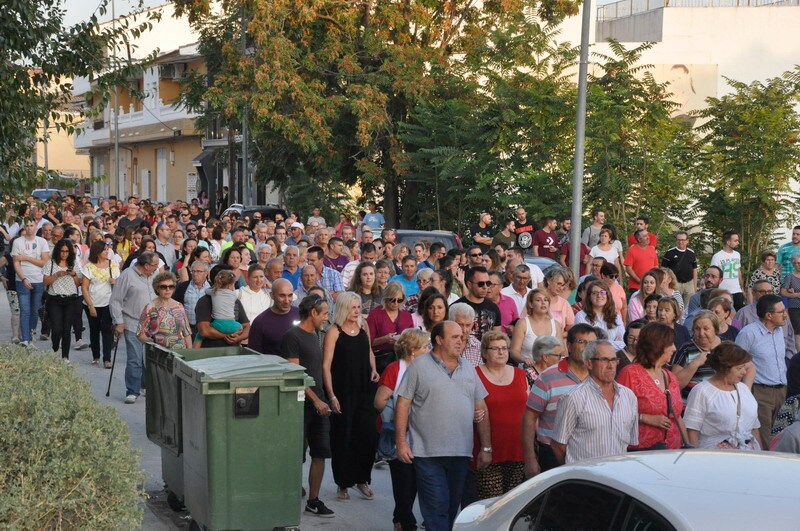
(172, 71)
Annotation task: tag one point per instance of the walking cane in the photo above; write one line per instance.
(113, 362)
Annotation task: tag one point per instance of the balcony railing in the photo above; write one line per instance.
(627, 8)
(96, 130)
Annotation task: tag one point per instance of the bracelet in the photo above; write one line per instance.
(641, 417)
(334, 398)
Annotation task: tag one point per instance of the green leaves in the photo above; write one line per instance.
(750, 155)
(42, 55)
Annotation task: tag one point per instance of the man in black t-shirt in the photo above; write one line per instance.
(487, 314)
(524, 230)
(683, 262)
(482, 232)
(301, 345)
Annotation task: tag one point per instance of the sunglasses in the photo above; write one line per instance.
(167, 286)
(483, 283)
(392, 299)
(476, 255)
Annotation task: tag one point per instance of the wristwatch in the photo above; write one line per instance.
(487, 449)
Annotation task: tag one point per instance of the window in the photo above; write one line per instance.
(571, 506)
(643, 518)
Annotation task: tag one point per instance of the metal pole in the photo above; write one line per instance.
(120, 186)
(580, 134)
(246, 184)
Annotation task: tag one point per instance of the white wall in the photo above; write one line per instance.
(746, 43)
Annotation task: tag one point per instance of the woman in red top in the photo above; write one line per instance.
(386, 323)
(508, 391)
(660, 426)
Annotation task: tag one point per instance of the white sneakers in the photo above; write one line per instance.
(130, 399)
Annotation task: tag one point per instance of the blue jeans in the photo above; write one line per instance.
(134, 367)
(440, 483)
(30, 300)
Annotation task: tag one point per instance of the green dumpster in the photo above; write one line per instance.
(242, 441)
(163, 409)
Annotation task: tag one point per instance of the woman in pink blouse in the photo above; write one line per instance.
(386, 323)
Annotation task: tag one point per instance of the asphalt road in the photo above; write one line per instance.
(357, 513)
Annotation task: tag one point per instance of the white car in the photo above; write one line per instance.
(655, 491)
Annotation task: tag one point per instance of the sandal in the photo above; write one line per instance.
(342, 494)
(365, 491)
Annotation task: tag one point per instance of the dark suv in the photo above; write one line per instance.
(411, 236)
(267, 211)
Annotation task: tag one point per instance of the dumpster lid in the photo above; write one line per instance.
(245, 367)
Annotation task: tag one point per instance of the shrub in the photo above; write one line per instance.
(65, 460)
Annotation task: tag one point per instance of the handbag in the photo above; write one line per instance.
(671, 412)
(735, 441)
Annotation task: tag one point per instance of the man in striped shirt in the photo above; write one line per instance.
(540, 413)
(598, 417)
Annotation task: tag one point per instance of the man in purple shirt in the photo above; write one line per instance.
(267, 330)
(334, 258)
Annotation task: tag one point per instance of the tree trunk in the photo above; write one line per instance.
(411, 205)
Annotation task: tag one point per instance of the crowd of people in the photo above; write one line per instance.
(468, 370)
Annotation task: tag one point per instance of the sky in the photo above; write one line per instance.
(81, 10)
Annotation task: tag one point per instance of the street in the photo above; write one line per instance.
(357, 513)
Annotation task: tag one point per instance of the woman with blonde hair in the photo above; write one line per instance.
(537, 322)
(386, 322)
(349, 375)
(411, 344)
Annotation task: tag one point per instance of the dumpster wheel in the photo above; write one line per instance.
(175, 503)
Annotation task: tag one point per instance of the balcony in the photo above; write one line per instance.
(134, 125)
(627, 8)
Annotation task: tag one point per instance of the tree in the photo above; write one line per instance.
(41, 56)
(750, 156)
(638, 158)
(328, 85)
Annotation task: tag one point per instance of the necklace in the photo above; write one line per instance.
(656, 380)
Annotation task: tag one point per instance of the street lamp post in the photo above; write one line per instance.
(580, 135)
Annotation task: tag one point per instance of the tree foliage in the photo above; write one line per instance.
(41, 56)
(638, 158)
(328, 85)
(750, 156)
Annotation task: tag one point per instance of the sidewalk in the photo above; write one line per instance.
(354, 514)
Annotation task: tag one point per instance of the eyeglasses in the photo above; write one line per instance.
(198, 271)
(633, 339)
(167, 286)
(473, 255)
(394, 300)
(609, 361)
(614, 277)
(599, 293)
(483, 283)
(582, 341)
(559, 356)
(498, 349)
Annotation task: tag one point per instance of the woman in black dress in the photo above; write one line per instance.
(349, 375)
